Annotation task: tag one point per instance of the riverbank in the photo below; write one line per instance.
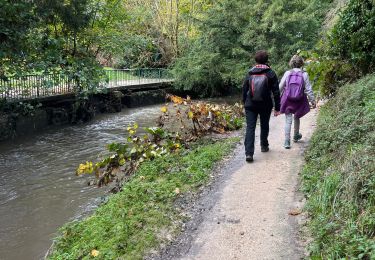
(39, 191)
(144, 214)
(339, 177)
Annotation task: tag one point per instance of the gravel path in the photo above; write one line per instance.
(247, 213)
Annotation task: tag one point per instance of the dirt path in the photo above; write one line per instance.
(250, 218)
(244, 214)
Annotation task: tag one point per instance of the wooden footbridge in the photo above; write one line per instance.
(41, 87)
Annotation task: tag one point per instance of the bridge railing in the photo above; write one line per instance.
(41, 85)
(133, 77)
(34, 86)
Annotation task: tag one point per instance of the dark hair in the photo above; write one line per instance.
(261, 57)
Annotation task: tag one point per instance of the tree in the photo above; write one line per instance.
(232, 31)
(353, 37)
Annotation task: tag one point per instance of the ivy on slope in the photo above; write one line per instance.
(339, 177)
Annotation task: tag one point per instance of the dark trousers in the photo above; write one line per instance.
(251, 121)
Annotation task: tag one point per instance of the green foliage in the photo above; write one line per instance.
(347, 51)
(16, 22)
(19, 108)
(56, 37)
(126, 157)
(339, 178)
(353, 37)
(143, 214)
(328, 74)
(232, 31)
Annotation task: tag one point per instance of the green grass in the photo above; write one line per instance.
(137, 219)
(339, 176)
(119, 75)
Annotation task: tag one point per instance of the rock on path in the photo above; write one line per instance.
(252, 217)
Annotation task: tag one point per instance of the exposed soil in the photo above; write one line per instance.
(249, 211)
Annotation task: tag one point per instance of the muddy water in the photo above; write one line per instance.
(38, 189)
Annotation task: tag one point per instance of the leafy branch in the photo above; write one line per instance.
(182, 121)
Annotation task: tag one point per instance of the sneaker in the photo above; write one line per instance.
(297, 137)
(264, 149)
(287, 144)
(249, 158)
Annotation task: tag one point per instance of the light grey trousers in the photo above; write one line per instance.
(288, 125)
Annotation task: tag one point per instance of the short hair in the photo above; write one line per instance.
(296, 62)
(261, 57)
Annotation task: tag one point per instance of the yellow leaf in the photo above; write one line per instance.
(176, 99)
(94, 253)
(122, 161)
(85, 168)
(164, 109)
(190, 114)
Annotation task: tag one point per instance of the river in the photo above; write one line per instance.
(38, 189)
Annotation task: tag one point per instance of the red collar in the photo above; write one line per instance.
(261, 66)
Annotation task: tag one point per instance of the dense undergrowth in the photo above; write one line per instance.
(143, 214)
(339, 177)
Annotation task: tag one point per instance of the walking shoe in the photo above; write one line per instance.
(287, 144)
(297, 137)
(249, 158)
(264, 149)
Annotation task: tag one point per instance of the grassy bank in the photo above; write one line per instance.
(139, 218)
(339, 177)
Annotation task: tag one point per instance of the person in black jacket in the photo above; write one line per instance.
(260, 94)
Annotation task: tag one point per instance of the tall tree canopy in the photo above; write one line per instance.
(208, 43)
(231, 31)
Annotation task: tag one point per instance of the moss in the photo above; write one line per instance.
(339, 176)
(133, 221)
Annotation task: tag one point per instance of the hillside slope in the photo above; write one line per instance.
(339, 177)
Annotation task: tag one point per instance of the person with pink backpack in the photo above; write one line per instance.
(295, 87)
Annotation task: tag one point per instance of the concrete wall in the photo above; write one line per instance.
(67, 110)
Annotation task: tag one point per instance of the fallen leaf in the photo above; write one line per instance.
(295, 212)
(94, 253)
(177, 191)
(190, 114)
(164, 109)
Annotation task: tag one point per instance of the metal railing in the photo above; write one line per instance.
(38, 86)
(133, 77)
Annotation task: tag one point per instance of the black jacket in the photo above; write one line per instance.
(273, 84)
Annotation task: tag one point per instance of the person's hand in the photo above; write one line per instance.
(276, 113)
(313, 105)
